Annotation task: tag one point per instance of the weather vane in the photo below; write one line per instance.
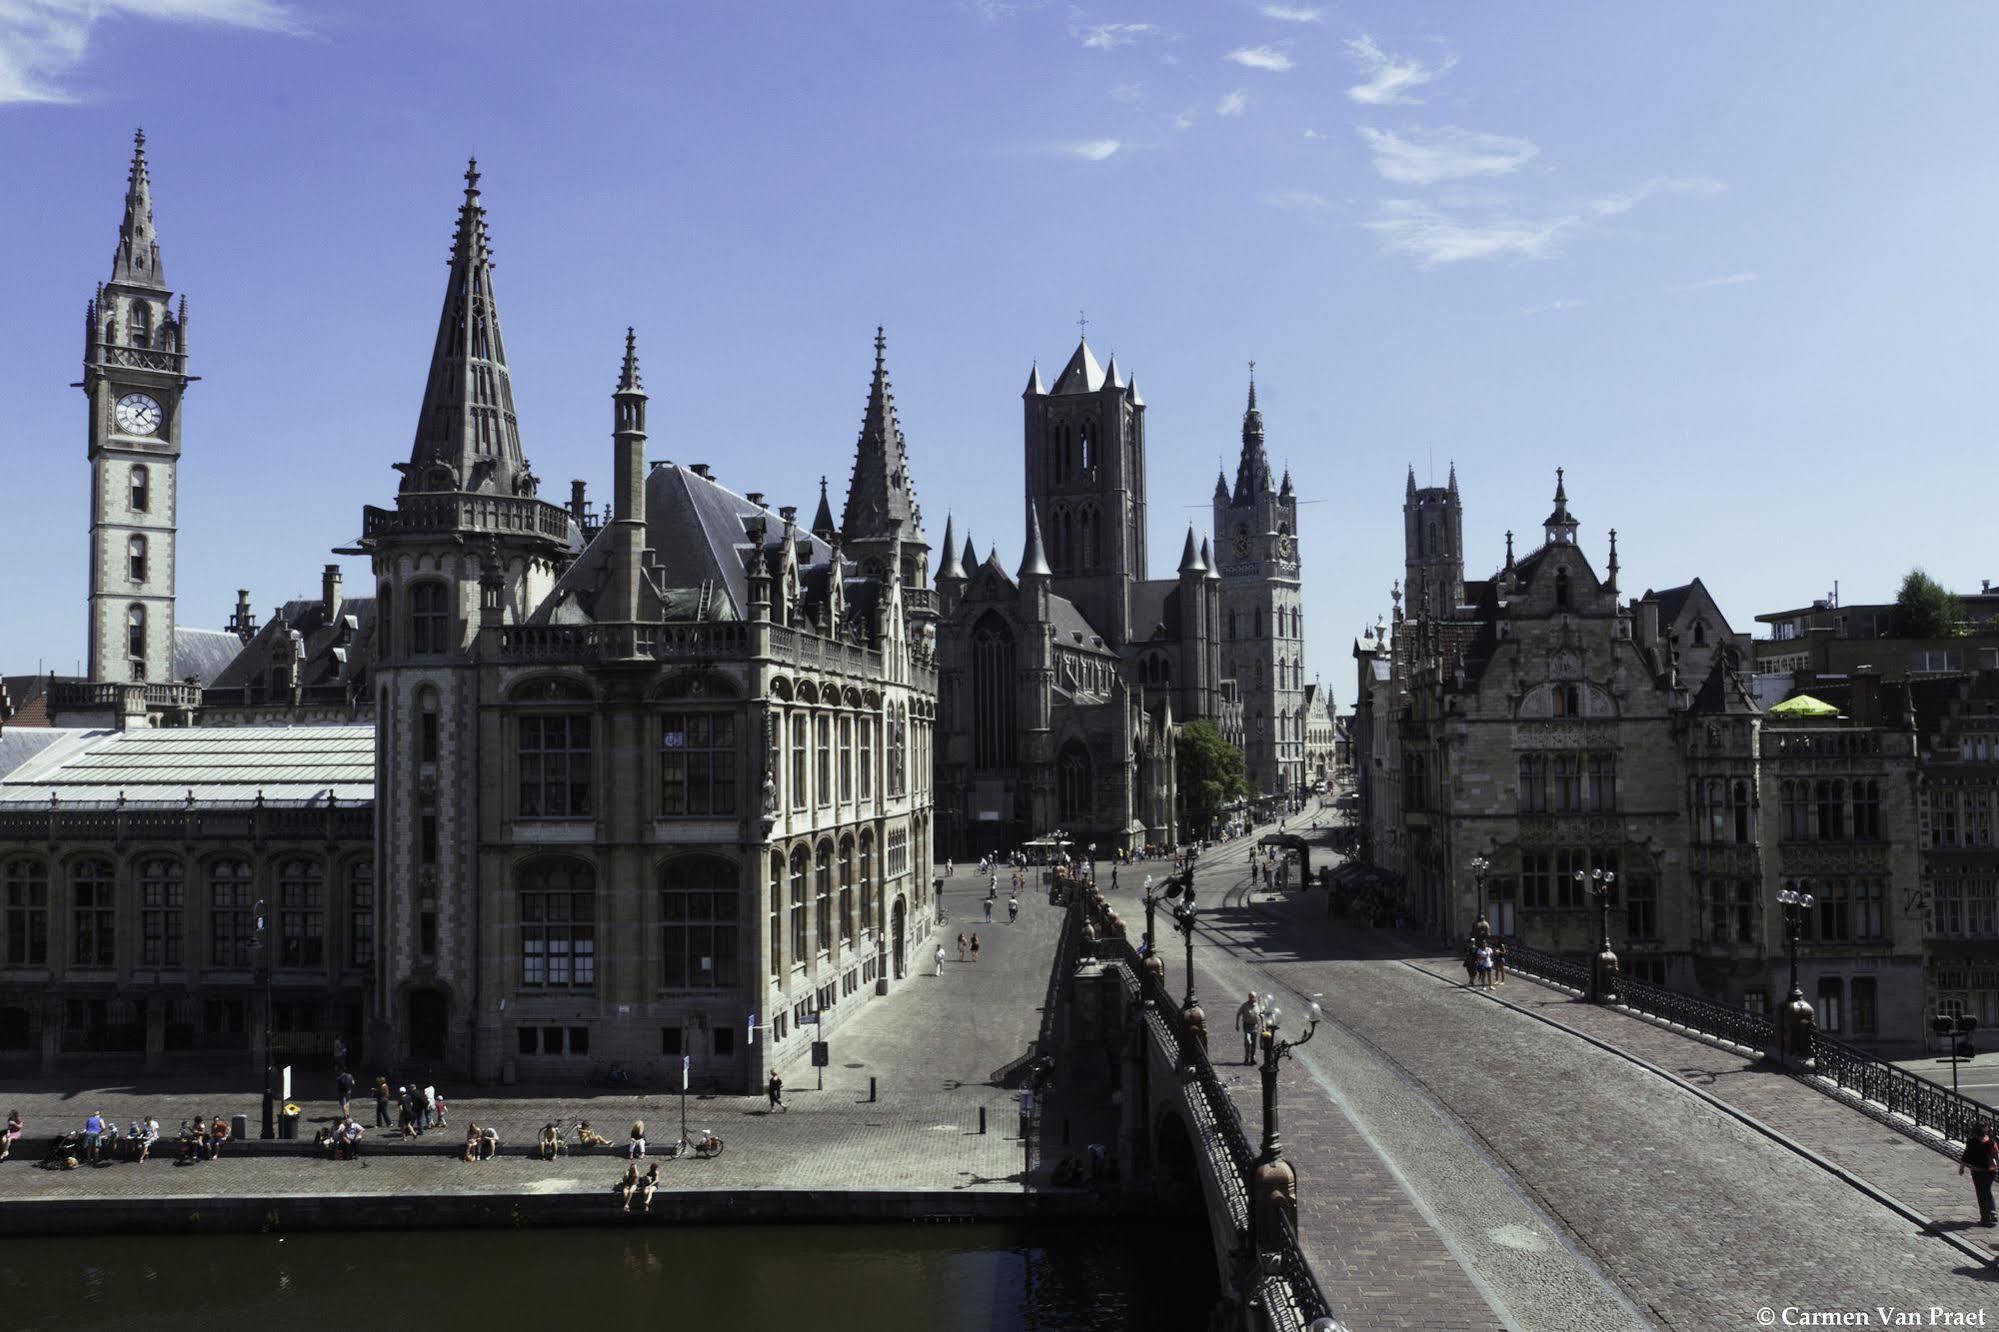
(1082, 324)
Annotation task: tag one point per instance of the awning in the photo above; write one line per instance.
(1804, 705)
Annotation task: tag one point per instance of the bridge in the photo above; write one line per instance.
(1508, 1158)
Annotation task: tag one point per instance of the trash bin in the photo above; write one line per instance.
(288, 1122)
(239, 1128)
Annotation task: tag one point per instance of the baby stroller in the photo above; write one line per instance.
(62, 1147)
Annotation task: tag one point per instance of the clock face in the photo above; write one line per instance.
(1242, 547)
(138, 414)
(1284, 547)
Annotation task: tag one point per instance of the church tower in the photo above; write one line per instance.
(134, 374)
(1085, 453)
(1433, 545)
(468, 549)
(1262, 612)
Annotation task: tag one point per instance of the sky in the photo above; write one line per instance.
(1732, 266)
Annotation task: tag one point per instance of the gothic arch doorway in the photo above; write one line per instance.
(896, 933)
(428, 1014)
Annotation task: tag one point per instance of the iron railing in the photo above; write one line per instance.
(1925, 1104)
(1281, 1257)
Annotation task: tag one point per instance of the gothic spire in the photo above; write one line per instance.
(1208, 562)
(1453, 485)
(1410, 488)
(1561, 527)
(822, 521)
(971, 558)
(1190, 555)
(1252, 475)
(1034, 560)
(628, 374)
(952, 567)
(138, 259)
(466, 436)
(881, 490)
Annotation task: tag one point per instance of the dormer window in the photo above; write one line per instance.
(1700, 634)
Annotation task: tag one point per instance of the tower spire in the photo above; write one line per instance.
(1034, 560)
(628, 520)
(137, 263)
(952, 567)
(881, 490)
(1252, 476)
(467, 439)
(822, 521)
(1561, 525)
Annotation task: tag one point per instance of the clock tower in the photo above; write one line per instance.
(134, 373)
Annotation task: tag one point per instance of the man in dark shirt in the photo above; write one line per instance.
(1981, 1158)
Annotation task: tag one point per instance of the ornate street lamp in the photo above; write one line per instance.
(1601, 884)
(1795, 1023)
(1480, 927)
(1155, 966)
(1274, 1184)
(1180, 891)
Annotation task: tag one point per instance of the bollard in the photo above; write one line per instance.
(871, 1090)
(982, 1119)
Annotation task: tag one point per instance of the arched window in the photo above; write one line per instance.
(162, 903)
(846, 889)
(822, 896)
(1073, 782)
(777, 913)
(993, 721)
(93, 912)
(135, 559)
(798, 765)
(800, 862)
(1738, 800)
(302, 913)
(140, 318)
(1561, 589)
(697, 929)
(864, 880)
(135, 640)
(232, 896)
(361, 914)
(1089, 451)
(430, 620)
(1700, 633)
(558, 914)
(141, 498)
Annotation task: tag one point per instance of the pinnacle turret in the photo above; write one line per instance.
(467, 438)
(971, 557)
(1252, 477)
(952, 567)
(1190, 556)
(881, 491)
(1561, 526)
(628, 374)
(137, 263)
(1212, 574)
(1034, 560)
(822, 521)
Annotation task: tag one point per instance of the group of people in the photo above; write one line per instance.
(481, 1144)
(643, 1186)
(343, 1140)
(418, 1108)
(1485, 961)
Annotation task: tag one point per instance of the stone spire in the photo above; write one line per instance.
(137, 263)
(1252, 473)
(881, 489)
(952, 567)
(1453, 483)
(1561, 527)
(1034, 560)
(1410, 488)
(971, 558)
(628, 525)
(1190, 555)
(1610, 582)
(822, 521)
(1211, 574)
(466, 436)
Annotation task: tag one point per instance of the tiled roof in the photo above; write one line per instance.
(282, 763)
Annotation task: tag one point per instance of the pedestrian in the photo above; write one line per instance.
(649, 1185)
(429, 1106)
(989, 908)
(344, 1083)
(1981, 1158)
(1471, 962)
(437, 1108)
(975, 947)
(940, 960)
(382, 1102)
(1250, 1019)
(12, 1135)
(1485, 965)
(1499, 963)
(1114, 878)
(637, 1147)
(961, 945)
(775, 1090)
(1012, 910)
(406, 1112)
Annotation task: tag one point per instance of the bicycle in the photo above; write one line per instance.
(709, 1147)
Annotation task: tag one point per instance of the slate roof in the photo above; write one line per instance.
(285, 764)
(1082, 374)
(202, 654)
(1155, 603)
(339, 650)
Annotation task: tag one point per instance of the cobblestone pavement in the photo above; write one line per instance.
(1573, 1188)
(933, 1044)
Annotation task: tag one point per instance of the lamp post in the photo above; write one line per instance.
(1795, 1023)
(1480, 927)
(270, 1127)
(1601, 884)
(1181, 891)
(1093, 862)
(1155, 966)
(1274, 1184)
(1958, 1027)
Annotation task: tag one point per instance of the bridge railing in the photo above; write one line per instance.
(1926, 1104)
(1291, 1293)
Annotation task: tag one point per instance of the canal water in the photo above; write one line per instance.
(881, 1278)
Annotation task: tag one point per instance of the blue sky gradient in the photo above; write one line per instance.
(1730, 265)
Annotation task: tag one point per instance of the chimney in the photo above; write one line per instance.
(790, 515)
(700, 470)
(576, 489)
(244, 622)
(329, 592)
(1865, 707)
(755, 497)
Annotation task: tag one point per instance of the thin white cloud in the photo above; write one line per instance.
(1616, 205)
(1726, 280)
(43, 42)
(1090, 150)
(990, 12)
(1294, 13)
(1128, 92)
(1232, 103)
(1387, 81)
(1184, 120)
(1313, 134)
(1426, 156)
(1557, 306)
(1432, 237)
(1301, 199)
(1270, 58)
(1105, 36)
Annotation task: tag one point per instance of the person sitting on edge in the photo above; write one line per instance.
(649, 1186)
(327, 1140)
(149, 1133)
(217, 1135)
(489, 1143)
(637, 1147)
(472, 1142)
(587, 1137)
(628, 1185)
(549, 1143)
(12, 1135)
(350, 1138)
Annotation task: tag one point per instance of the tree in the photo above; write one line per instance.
(1923, 609)
(1210, 772)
